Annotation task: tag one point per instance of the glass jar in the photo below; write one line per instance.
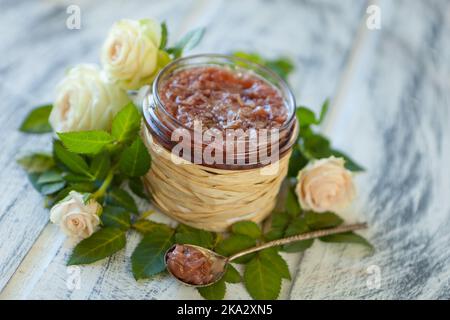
(162, 124)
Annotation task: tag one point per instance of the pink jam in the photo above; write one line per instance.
(222, 99)
(190, 265)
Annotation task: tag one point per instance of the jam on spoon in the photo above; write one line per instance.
(199, 267)
(192, 265)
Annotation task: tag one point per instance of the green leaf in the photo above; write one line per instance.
(52, 175)
(72, 161)
(36, 162)
(232, 275)
(215, 291)
(163, 59)
(271, 256)
(53, 187)
(188, 235)
(250, 56)
(318, 146)
(262, 281)
(350, 164)
(306, 116)
(101, 244)
(347, 237)
(100, 166)
(75, 178)
(116, 217)
(291, 204)
(33, 178)
(280, 221)
(148, 227)
(191, 39)
(83, 186)
(298, 226)
(144, 215)
(135, 160)
(148, 257)
(61, 195)
(51, 200)
(164, 36)
(126, 123)
(121, 198)
(48, 182)
(234, 244)
(316, 221)
(85, 142)
(187, 42)
(37, 120)
(282, 66)
(247, 228)
(296, 162)
(324, 110)
(137, 187)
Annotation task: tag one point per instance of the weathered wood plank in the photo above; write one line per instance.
(35, 54)
(317, 35)
(393, 115)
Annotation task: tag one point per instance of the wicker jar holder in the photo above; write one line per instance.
(213, 197)
(209, 198)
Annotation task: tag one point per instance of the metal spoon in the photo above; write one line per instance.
(220, 263)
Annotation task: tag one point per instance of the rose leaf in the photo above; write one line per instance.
(215, 291)
(148, 257)
(126, 123)
(247, 228)
(86, 142)
(101, 244)
(135, 159)
(37, 120)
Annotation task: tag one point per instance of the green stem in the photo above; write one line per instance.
(101, 191)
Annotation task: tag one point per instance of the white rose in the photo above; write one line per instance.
(76, 218)
(86, 100)
(325, 185)
(130, 55)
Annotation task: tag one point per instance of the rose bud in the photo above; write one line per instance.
(325, 185)
(130, 55)
(76, 217)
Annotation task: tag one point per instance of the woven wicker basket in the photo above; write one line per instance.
(213, 197)
(209, 198)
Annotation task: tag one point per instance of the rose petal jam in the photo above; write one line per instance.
(190, 265)
(222, 99)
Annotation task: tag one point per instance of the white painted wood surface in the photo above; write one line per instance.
(390, 111)
(393, 114)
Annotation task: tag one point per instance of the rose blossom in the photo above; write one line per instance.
(77, 218)
(86, 100)
(130, 55)
(325, 185)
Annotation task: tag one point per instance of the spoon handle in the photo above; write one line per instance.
(299, 237)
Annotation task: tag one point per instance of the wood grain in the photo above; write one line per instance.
(35, 54)
(393, 115)
(320, 57)
(391, 112)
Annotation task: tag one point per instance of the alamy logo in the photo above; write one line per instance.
(73, 281)
(231, 147)
(73, 21)
(374, 279)
(373, 21)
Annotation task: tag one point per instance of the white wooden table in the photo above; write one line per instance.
(390, 90)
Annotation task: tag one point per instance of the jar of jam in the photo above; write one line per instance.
(223, 116)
